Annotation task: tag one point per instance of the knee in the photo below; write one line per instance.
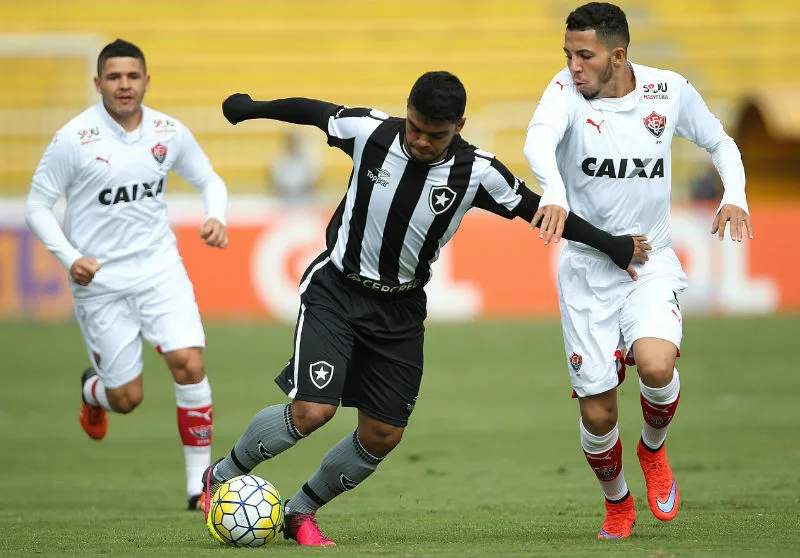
(187, 366)
(308, 416)
(379, 438)
(656, 370)
(600, 419)
(124, 401)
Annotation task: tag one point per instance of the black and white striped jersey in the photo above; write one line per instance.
(398, 212)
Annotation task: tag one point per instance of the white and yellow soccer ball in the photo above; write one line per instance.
(245, 511)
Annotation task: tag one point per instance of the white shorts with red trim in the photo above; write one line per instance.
(603, 312)
(164, 313)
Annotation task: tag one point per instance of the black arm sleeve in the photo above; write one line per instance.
(296, 110)
(618, 248)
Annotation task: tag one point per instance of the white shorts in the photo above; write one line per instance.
(164, 312)
(603, 312)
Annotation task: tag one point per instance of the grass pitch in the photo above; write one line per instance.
(490, 464)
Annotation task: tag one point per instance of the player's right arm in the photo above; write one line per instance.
(546, 128)
(55, 172)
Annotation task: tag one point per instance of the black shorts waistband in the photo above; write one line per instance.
(365, 285)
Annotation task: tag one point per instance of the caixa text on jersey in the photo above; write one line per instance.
(624, 168)
(131, 192)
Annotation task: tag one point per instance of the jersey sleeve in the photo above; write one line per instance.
(193, 165)
(347, 123)
(699, 125)
(56, 171)
(500, 192)
(545, 130)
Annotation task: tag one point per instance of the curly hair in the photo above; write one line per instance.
(439, 96)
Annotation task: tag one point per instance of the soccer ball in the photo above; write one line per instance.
(245, 511)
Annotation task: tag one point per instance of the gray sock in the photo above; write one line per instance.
(343, 468)
(271, 432)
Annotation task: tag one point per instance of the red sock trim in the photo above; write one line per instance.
(658, 415)
(608, 464)
(94, 391)
(195, 425)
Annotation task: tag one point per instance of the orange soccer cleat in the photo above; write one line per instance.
(620, 519)
(662, 490)
(94, 420)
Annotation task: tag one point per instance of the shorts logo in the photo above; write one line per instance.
(265, 453)
(97, 359)
(321, 373)
(575, 360)
(159, 153)
(655, 124)
(440, 199)
(347, 483)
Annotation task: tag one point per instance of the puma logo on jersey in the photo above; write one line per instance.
(133, 192)
(624, 168)
(102, 160)
(561, 85)
(590, 121)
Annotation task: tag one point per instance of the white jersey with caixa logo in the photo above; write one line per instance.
(608, 159)
(114, 183)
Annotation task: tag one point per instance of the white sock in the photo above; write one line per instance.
(94, 393)
(191, 398)
(616, 488)
(651, 436)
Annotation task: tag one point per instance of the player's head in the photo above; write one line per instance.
(434, 115)
(122, 79)
(596, 45)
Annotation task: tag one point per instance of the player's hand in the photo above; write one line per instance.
(214, 233)
(83, 270)
(737, 217)
(640, 255)
(236, 107)
(552, 222)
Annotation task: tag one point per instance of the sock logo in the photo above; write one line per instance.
(265, 453)
(346, 482)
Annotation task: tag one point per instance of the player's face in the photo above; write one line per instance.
(122, 84)
(589, 62)
(427, 139)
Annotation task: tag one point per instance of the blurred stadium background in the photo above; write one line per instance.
(495, 278)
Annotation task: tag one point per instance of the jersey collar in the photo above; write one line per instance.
(116, 127)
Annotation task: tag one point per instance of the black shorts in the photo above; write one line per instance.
(356, 345)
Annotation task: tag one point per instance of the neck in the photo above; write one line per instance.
(623, 83)
(129, 123)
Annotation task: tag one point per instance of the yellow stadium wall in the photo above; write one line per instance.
(358, 53)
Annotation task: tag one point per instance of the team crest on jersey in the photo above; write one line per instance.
(575, 360)
(159, 153)
(655, 124)
(440, 199)
(321, 373)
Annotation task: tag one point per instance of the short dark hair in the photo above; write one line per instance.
(439, 96)
(607, 20)
(119, 49)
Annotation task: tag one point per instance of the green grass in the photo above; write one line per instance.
(490, 464)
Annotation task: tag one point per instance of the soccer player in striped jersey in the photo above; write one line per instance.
(126, 275)
(599, 144)
(359, 334)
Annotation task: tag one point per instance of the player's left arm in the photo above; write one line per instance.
(699, 125)
(504, 194)
(193, 165)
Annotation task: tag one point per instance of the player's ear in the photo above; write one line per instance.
(619, 56)
(460, 124)
(147, 83)
(97, 83)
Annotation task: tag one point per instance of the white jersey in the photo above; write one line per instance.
(114, 182)
(609, 159)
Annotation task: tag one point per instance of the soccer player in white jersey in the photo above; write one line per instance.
(127, 279)
(599, 145)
